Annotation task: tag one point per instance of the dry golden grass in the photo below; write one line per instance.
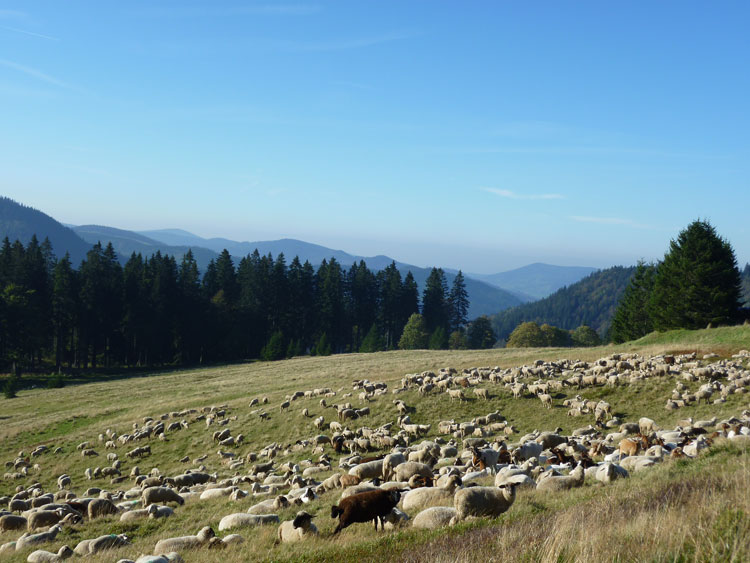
(591, 524)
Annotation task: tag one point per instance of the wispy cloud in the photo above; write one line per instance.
(31, 33)
(609, 221)
(513, 195)
(39, 75)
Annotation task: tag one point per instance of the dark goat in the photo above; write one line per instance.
(363, 507)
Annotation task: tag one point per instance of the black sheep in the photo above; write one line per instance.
(363, 507)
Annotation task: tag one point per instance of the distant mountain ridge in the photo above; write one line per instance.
(484, 298)
(18, 221)
(591, 301)
(536, 280)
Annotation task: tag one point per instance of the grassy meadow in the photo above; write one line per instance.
(685, 510)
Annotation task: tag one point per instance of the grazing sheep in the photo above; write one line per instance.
(424, 496)
(297, 529)
(41, 556)
(203, 537)
(153, 495)
(407, 470)
(482, 393)
(245, 520)
(390, 462)
(44, 518)
(101, 507)
(434, 517)
(363, 507)
(10, 522)
(483, 501)
(368, 470)
(562, 482)
(456, 394)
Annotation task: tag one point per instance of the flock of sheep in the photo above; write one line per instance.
(392, 474)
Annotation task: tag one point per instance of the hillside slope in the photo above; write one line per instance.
(536, 280)
(591, 301)
(20, 222)
(595, 522)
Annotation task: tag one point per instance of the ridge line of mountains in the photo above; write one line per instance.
(489, 294)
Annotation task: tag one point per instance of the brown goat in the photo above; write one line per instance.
(363, 507)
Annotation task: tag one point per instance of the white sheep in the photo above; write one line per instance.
(297, 529)
(434, 517)
(245, 520)
(562, 482)
(27, 540)
(41, 556)
(608, 472)
(483, 501)
(172, 557)
(185, 542)
(424, 496)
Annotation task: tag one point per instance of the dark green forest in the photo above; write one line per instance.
(591, 302)
(156, 311)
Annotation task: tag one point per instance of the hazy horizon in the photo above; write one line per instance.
(482, 137)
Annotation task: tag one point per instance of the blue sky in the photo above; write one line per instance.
(473, 135)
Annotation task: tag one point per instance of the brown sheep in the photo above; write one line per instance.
(363, 507)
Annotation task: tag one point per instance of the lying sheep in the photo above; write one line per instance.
(297, 529)
(363, 507)
(434, 517)
(483, 501)
(41, 556)
(244, 520)
(562, 482)
(424, 496)
(172, 557)
(27, 540)
(608, 472)
(155, 511)
(109, 541)
(203, 537)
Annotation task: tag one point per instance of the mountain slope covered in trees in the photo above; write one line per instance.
(591, 302)
(18, 222)
(536, 280)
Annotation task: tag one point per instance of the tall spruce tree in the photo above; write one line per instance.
(435, 308)
(458, 302)
(632, 319)
(698, 282)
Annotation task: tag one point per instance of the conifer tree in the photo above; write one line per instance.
(632, 319)
(698, 282)
(458, 303)
(480, 334)
(435, 309)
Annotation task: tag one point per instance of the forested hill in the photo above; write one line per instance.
(19, 222)
(591, 301)
(746, 285)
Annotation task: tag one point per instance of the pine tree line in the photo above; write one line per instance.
(157, 311)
